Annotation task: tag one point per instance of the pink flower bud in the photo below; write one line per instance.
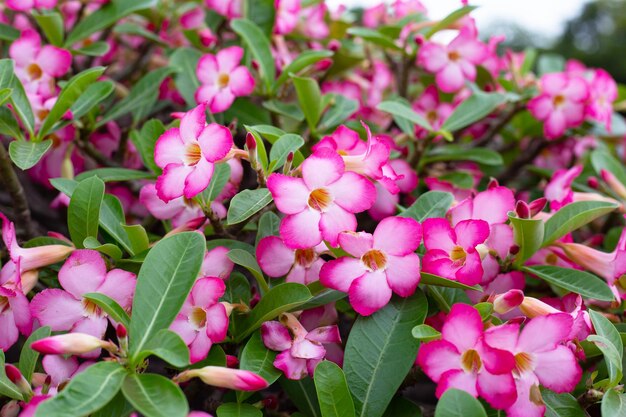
(522, 209)
(537, 206)
(231, 361)
(222, 377)
(250, 141)
(10, 409)
(493, 183)
(613, 183)
(503, 303)
(532, 307)
(18, 379)
(334, 45)
(514, 249)
(121, 331)
(593, 182)
(70, 344)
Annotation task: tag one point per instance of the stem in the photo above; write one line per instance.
(16, 191)
(495, 128)
(216, 223)
(525, 158)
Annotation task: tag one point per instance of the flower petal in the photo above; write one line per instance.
(57, 309)
(369, 293)
(215, 141)
(84, 271)
(274, 257)
(398, 235)
(403, 273)
(322, 168)
(301, 230)
(290, 194)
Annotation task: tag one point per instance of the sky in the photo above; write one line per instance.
(546, 17)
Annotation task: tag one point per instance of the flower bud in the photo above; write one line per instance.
(503, 303)
(18, 379)
(537, 206)
(70, 344)
(222, 377)
(593, 182)
(10, 409)
(231, 361)
(334, 45)
(288, 162)
(613, 183)
(514, 249)
(493, 183)
(522, 209)
(532, 307)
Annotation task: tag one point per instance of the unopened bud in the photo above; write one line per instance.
(288, 163)
(514, 249)
(121, 331)
(250, 141)
(522, 210)
(18, 379)
(593, 182)
(537, 206)
(10, 409)
(532, 307)
(613, 183)
(334, 45)
(231, 361)
(493, 183)
(223, 377)
(70, 344)
(503, 303)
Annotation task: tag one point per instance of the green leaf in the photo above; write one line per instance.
(8, 388)
(302, 61)
(141, 98)
(447, 297)
(51, 23)
(428, 205)
(164, 281)
(238, 410)
(155, 396)
(138, 237)
(302, 394)
(449, 20)
(430, 279)
(374, 37)
(573, 216)
(425, 333)
(607, 330)
(340, 110)
(332, 391)
(262, 13)
(94, 95)
(401, 407)
(611, 357)
(528, 236)
(474, 108)
(86, 392)
(104, 17)
(602, 159)
(457, 153)
(112, 220)
(290, 110)
(98, 48)
(25, 154)
(117, 407)
(221, 175)
(84, 210)
(561, 405)
(168, 346)
(380, 352)
(255, 357)
(282, 147)
(115, 174)
(457, 403)
(18, 99)
(185, 60)
(129, 28)
(580, 282)
(246, 204)
(109, 306)
(8, 124)
(259, 46)
(29, 357)
(279, 299)
(247, 113)
(8, 33)
(247, 260)
(613, 404)
(403, 111)
(310, 99)
(268, 226)
(145, 141)
(550, 63)
(5, 95)
(74, 88)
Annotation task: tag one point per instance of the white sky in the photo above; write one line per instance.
(545, 17)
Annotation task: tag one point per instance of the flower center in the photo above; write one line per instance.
(198, 317)
(320, 199)
(374, 259)
(558, 100)
(223, 80)
(454, 56)
(552, 259)
(305, 257)
(4, 304)
(431, 116)
(523, 362)
(91, 309)
(193, 153)
(34, 71)
(42, 114)
(471, 361)
(458, 254)
(535, 395)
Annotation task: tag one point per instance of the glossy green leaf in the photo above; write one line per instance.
(341, 108)
(164, 281)
(185, 60)
(404, 111)
(602, 159)
(29, 357)
(117, 407)
(561, 405)
(282, 147)
(474, 108)
(290, 110)
(51, 23)
(8, 32)
(107, 249)
(83, 212)
(259, 46)
(430, 279)
(425, 333)
(130, 28)
(401, 407)
(279, 299)
(262, 13)
(238, 410)
(247, 260)
(332, 391)
(168, 346)
(528, 235)
(613, 404)
(74, 88)
(97, 48)
(449, 20)
(145, 141)
(268, 226)
(457, 403)
(607, 330)
(109, 306)
(115, 174)
(19, 101)
(5, 95)
(428, 205)
(8, 125)
(375, 37)
(310, 99)
(110, 13)
(611, 357)
(246, 204)
(580, 282)
(302, 394)
(25, 154)
(221, 175)
(302, 61)
(138, 237)
(380, 352)
(8, 388)
(112, 220)
(457, 153)
(95, 94)
(155, 395)
(573, 216)
(88, 391)
(255, 357)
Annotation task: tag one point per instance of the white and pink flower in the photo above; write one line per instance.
(276, 259)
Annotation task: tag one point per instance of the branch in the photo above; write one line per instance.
(16, 191)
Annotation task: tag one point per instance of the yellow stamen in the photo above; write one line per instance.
(320, 199)
(374, 260)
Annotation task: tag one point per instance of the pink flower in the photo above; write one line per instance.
(454, 63)
(375, 15)
(216, 263)
(322, 203)
(34, 62)
(452, 253)
(383, 263)
(559, 190)
(540, 358)
(461, 359)
(66, 309)
(202, 320)
(15, 317)
(222, 377)
(61, 369)
(603, 92)
(71, 344)
(561, 104)
(286, 16)
(491, 205)
(432, 109)
(179, 210)
(386, 202)
(188, 155)
(301, 350)
(298, 265)
(231, 9)
(315, 25)
(28, 5)
(223, 79)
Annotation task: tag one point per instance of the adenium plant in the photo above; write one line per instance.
(244, 208)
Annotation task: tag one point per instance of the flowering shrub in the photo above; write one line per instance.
(277, 209)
